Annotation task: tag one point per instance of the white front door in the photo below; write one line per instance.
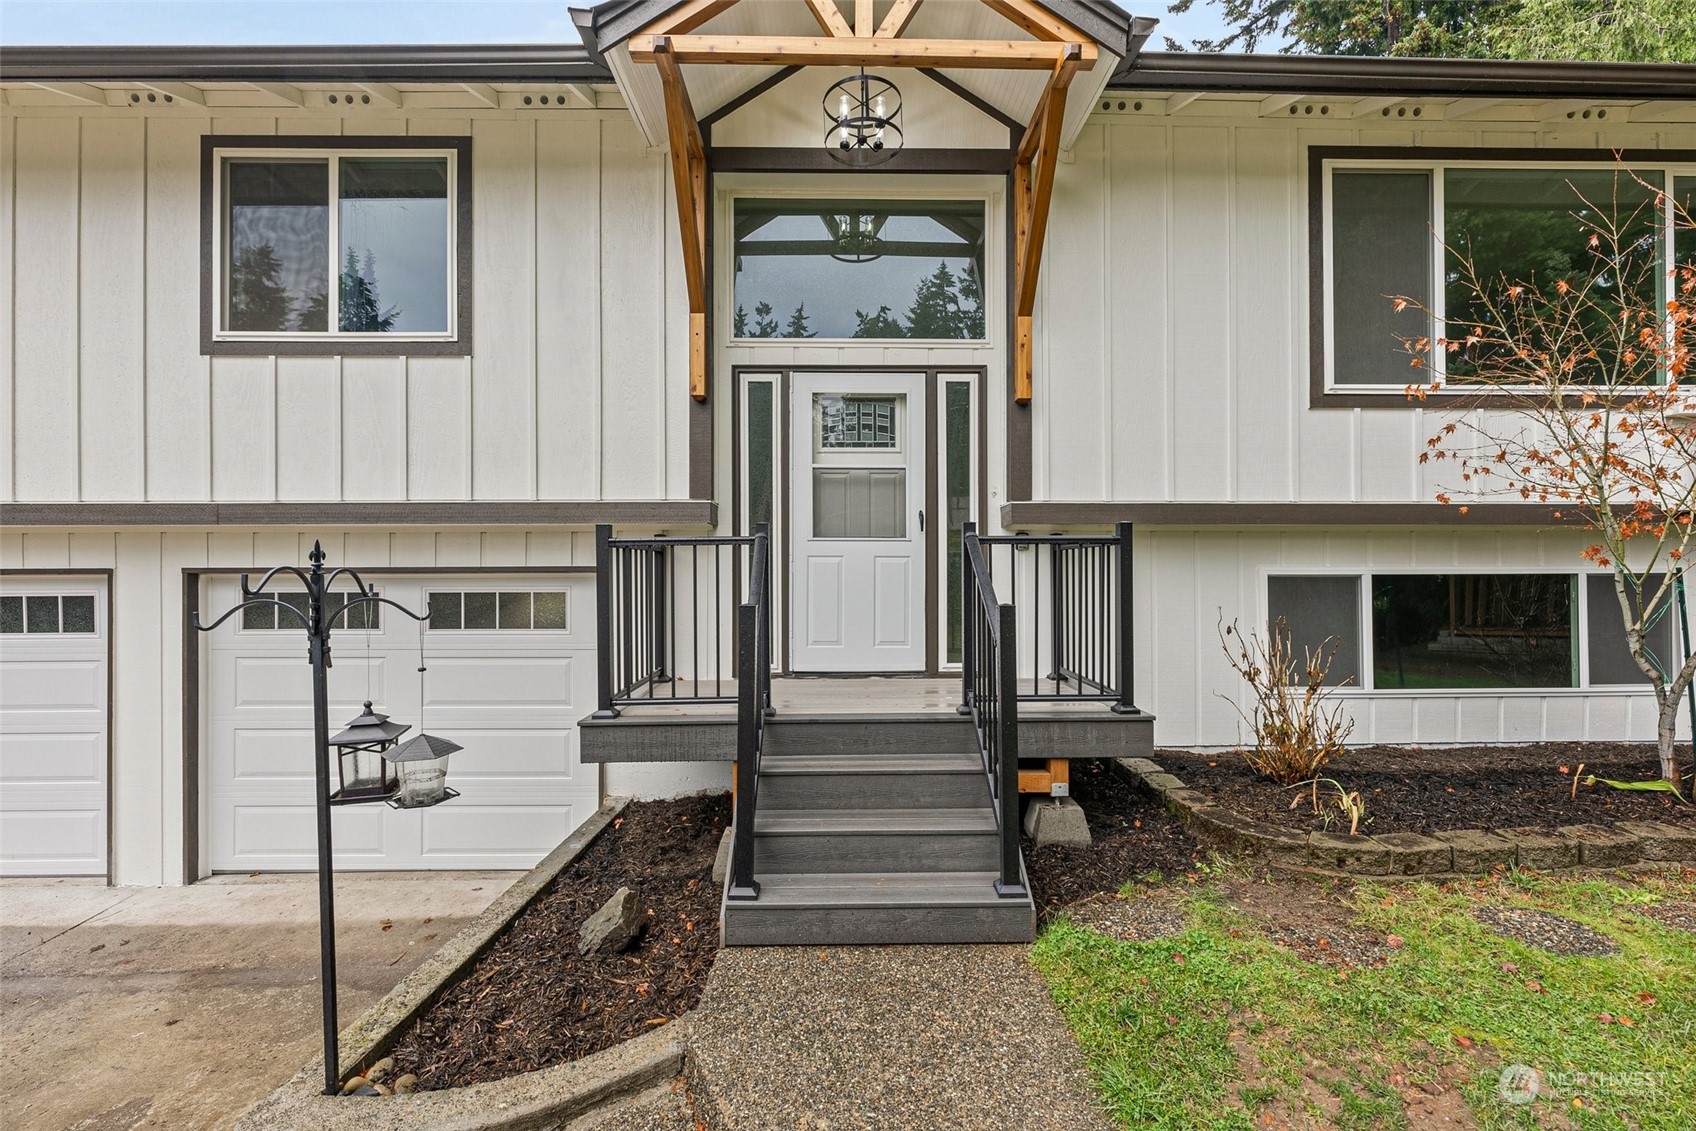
(53, 684)
(857, 480)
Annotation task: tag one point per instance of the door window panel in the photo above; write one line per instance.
(859, 502)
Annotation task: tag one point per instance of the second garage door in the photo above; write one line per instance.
(510, 669)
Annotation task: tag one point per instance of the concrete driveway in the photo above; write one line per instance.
(180, 1007)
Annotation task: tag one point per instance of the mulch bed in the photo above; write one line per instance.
(1131, 836)
(1546, 931)
(532, 1002)
(1426, 789)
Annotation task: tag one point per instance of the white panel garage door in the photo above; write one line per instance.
(510, 671)
(53, 721)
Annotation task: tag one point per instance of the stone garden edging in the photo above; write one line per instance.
(1457, 852)
(539, 1099)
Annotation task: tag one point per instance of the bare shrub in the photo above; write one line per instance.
(1297, 725)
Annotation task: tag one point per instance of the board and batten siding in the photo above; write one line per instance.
(1190, 582)
(576, 388)
(1171, 350)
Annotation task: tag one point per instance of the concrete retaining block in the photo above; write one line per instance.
(1475, 850)
(1415, 855)
(1658, 841)
(1602, 847)
(1162, 783)
(1361, 855)
(1540, 848)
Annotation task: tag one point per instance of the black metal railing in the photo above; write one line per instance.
(990, 695)
(753, 707)
(1076, 590)
(665, 618)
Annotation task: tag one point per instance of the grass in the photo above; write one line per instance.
(1223, 1028)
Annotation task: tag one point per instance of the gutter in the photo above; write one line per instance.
(1340, 74)
(450, 63)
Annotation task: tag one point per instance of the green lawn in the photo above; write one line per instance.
(1221, 1027)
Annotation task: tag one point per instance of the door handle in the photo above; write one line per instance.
(921, 520)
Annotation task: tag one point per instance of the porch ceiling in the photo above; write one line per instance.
(1013, 92)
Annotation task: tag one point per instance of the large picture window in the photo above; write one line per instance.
(859, 269)
(1468, 631)
(342, 249)
(1386, 221)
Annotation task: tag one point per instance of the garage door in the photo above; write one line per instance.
(510, 670)
(53, 721)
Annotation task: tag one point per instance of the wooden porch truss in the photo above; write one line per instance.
(1057, 47)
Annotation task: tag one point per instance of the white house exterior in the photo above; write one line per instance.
(153, 450)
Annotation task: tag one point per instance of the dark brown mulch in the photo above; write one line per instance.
(1131, 836)
(1313, 919)
(1425, 789)
(532, 1002)
(1547, 931)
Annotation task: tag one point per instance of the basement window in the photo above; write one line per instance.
(349, 249)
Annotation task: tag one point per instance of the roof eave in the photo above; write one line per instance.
(1359, 75)
(375, 62)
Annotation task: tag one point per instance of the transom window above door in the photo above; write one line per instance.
(846, 269)
(337, 249)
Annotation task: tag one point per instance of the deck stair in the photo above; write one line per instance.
(875, 829)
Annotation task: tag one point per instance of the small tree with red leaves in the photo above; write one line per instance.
(1586, 401)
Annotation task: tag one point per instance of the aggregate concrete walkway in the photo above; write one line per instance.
(180, 1007)
(894, 1037)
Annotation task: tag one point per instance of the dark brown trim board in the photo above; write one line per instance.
(771, 159)
(1317, 346)
(668, 513)
(211, 225)
(111, 675)
(1019, 516)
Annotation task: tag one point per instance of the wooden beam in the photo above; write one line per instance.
(830, 19)
(865, 20)
(781, 50)
(681, 21)
(1033, 191)
(286, 91)
(689, 183)
(895, 20)
(80, 91)
(483, 93)
(1036, 20)
(382, 92)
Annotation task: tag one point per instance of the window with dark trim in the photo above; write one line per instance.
(342, 245)
(1382, 217)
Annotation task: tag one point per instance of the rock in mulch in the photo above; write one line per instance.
(616, 926)
(1679, 916)
(1547, 931)
(1137, 919)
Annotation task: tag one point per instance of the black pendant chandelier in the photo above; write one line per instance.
(862, 116)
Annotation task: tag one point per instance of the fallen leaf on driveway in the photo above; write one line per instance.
(387, 924)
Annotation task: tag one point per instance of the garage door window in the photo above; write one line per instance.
(263, 618)
(503, 611)
(47, 613)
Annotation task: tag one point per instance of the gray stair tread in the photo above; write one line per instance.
(871, 764)
(850, 822)
(877, 889)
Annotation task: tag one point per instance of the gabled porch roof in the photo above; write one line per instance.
(607, 30)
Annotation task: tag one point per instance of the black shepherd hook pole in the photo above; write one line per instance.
(317, 620)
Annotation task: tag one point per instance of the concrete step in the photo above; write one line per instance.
(873, 781)
(813, 909)
(874, 840)
(868, 734)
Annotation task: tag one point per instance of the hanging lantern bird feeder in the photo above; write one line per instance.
(361, 749)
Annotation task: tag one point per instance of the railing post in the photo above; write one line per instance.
(603, 622)
(742, 882)
(1127, 644)
(1058, 558)
(1011, 885)
(968, 619)
(662, 655)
